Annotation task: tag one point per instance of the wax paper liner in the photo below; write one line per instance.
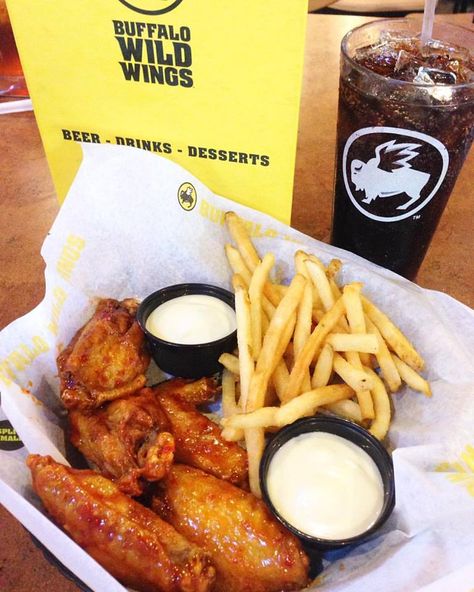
(127, 229)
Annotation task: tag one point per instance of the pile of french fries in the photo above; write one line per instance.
(312, 346)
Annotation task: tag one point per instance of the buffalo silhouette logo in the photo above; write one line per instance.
(187, 196)
(151, 6)
(402, 178)
(390, 173)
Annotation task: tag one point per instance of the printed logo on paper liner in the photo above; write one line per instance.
(461, 472)
(151, 6)
(9, 439)
(187, 196)
(391, 173)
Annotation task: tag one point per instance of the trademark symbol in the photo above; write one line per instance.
(416, 217)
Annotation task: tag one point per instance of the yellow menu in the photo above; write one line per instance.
(213, 85)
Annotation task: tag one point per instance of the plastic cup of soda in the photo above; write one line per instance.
(405, 127)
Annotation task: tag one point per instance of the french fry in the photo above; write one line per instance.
(282, 289)
(311, 349)
(412, 378)
(255, 444)
(354, 310)
(300, 265)
(307, 403)
(229, 404)
(271, 353)
(257, 283)
(356, 378)
(285, 346)
(232, 434)
(230, 363)
(231, 394)
(265, 417)
(248, 252)
(346, 408)
(238, 266)
(281, 375)
(379, 427)
(245, 362)
(242, 239)
(398, 342)
(280, 378)
(317, 261)
(336, 292)
(323, 369)
(244, 339)
(364, 396)
(303, 329)
(355, 313)
(384, 358)
(301, 406)
(346, 342)
(320, 280)
(318, 314)
(333, 268)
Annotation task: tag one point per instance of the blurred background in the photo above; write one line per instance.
(386, 8)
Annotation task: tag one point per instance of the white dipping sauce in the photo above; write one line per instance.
(192, 319)
(325, 486)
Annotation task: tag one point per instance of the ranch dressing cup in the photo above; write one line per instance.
(405, 126)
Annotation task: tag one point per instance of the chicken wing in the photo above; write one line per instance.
(129, 540)
(106, 359)
(199, 442)
(251, 551)
(127, 440)
(194, 392)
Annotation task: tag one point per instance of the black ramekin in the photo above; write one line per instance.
(186, 360)
(352, 432)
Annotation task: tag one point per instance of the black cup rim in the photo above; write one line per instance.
(333, 425)
(174, 291)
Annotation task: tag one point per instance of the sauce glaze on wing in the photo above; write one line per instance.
(127, 539)
(127, 440)
(199, 441)
(252, 552)
(106, 359)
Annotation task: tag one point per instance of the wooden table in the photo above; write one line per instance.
(28, 207)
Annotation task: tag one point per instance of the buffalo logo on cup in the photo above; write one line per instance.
(151, 6)
(391, 173)
(187, 196)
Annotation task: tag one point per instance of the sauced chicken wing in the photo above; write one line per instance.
(252, 552)
(195, 392)
(127, 440)
(129, 540)
(199, 442)
(106, 359)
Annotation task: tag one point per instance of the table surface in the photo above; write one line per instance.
(29, 206)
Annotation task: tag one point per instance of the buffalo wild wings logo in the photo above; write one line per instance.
(187, 196)
(151, 6)
(390, 173)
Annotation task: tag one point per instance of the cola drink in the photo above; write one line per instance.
(405, 126)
